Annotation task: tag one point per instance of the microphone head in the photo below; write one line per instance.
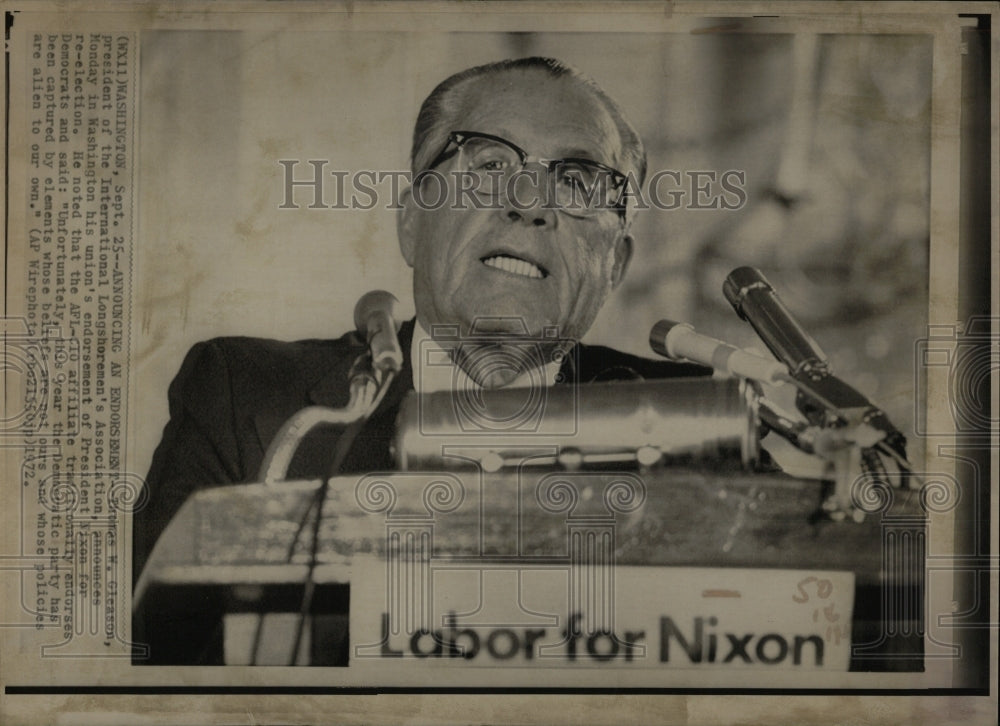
(658, 337)
(376, 301)
(739, 282)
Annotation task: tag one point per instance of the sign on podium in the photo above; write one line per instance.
(648, 572)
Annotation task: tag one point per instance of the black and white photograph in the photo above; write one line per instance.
(543, 350)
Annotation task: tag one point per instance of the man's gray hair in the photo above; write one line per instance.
(439, 110)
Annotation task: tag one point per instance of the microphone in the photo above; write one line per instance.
(374, 317)
(679, 340)
(755, 301)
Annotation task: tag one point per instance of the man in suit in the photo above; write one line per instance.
(534, 237)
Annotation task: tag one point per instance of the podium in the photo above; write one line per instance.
(225, 582)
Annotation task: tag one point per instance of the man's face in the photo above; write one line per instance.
(536, 265)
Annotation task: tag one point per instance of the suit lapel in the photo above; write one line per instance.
(569, 370)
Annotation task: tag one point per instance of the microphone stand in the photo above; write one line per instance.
(366, 396)
(371, 376)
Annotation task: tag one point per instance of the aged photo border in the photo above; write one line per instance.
(957, 293)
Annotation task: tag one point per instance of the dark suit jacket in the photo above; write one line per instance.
(233, 394)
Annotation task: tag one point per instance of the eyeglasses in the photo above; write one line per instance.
(580, 187)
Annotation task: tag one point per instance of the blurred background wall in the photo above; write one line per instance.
(832, 133)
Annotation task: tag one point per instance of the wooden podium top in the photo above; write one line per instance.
(670, 516)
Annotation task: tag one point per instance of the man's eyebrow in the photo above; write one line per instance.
(579, 153)
(600, 153)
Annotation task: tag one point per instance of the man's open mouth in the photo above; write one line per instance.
(516, 266)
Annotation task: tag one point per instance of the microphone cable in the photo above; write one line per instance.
(343, 447)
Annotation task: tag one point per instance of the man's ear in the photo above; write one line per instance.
(406, 225)
(623, 255)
